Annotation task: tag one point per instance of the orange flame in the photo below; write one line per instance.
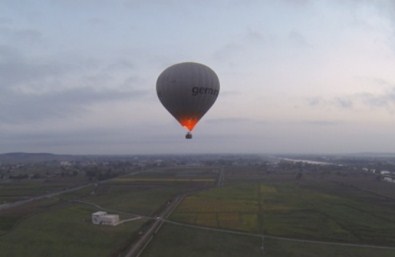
(188, 123)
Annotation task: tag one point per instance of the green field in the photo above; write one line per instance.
(230, 207)
(322, 211)
(61, 226)
(179, 241)
(316, 210)
(278, 248)
(12, 192)
(65, 231)
(176, 241)
(294, 211)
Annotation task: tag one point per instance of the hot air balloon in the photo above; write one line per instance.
(187, 90)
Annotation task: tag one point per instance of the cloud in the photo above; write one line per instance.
(298, 39)
(315, 101)
(254, 36)
(385, 99)
(19, 36)
(323, 123)
(35, 89)
(297, 3)
(25, 108)
(22, 36)
(245, 44)
(384, 9)
(378, 99)
(343, 102)
(228, 120)
(228, 51)
(17, 70)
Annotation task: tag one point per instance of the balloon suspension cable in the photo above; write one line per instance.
(188, 135)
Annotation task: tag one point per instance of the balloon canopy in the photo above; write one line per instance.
(188, 90)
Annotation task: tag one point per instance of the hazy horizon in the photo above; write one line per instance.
(297, 76)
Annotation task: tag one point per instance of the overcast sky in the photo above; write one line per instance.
(297, 76)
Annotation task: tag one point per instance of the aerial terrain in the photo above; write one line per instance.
(198, 205)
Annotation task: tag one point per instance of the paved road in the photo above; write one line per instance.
(221, 177)
(146, 238)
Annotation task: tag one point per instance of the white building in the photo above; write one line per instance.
(103, 218)
(389, 179)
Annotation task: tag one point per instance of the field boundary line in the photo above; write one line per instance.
(278, 237)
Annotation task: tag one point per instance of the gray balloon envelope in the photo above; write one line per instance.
(188, 90)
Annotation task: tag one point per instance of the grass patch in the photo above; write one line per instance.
(163, 180)
(143, 200)
(60, 226)
(26, 189)
(65, 231)
(177, 241)
(293, 210)
(281, 248)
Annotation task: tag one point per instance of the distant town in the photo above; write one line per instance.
(88, 168)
